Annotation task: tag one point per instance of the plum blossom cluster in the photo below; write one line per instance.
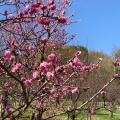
(117, 62)
(116, 69)
(45, 11)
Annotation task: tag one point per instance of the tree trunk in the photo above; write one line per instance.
(111, 115)
(73, 115)
(39, 115)
(33, 116)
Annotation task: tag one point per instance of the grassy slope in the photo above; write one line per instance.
(101, 115)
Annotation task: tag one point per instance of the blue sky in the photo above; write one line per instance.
(99, 28)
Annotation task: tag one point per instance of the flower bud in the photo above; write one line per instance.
(116, 76)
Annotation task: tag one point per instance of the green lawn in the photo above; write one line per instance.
(101, 115)
(105, 115)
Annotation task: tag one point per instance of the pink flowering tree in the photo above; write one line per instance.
(30, 71)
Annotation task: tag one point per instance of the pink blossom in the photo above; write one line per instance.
(27, 8)
(1, 91)
(11, 16)
(53, 91)
(69, 65)
(63, 13)
(16, 67)
(9, 111)
(41, 21)
(46, 89)
(14, 44)
(86, 68)
(76, 61)
(8, 54)
(55, 95)
(11, 88)
(50, 75)
(62, 20)
(44, 21)
(12, 57)
(93, 111)
(39, 82)
(103, 92)
(51, 2)
(43, 6)
(95, 66)
(28, 82)
(6, 84)
(44, 66)
(52, 57)
(116, 76)
(96, 96)
(69, 108)
(43, 40)
(36, 74)
(52, 7)
(38, 94)
(36, 4)
(20, 14)
(30, 48)
(117, 62)
(57, 69)
(23, 78)
(75, 90)
(107, 104)
(1, 70)
(65, 88)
